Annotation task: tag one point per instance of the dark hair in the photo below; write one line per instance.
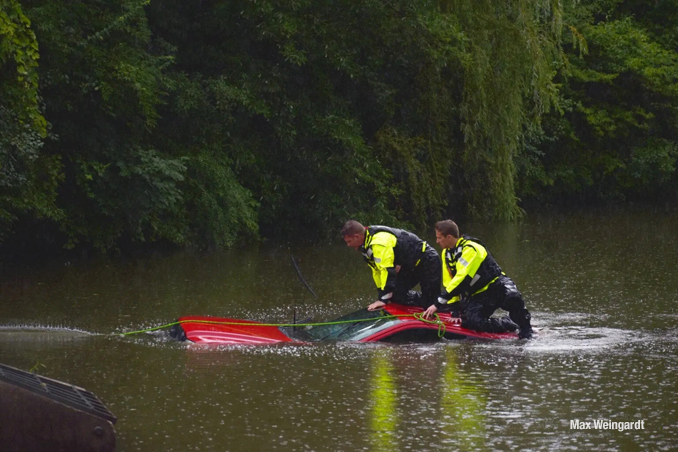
(447, 227)
(352, 227)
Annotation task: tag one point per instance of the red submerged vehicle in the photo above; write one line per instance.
(393, 323)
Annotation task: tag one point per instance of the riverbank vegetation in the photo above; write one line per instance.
(207, 123)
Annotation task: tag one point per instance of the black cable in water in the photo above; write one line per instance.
(301, 277)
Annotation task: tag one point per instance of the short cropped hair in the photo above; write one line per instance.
(352, 227)
(447, 227)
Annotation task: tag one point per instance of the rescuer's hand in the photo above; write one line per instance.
(430, 311)
(376, 305)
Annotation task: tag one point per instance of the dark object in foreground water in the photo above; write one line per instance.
(40, 414)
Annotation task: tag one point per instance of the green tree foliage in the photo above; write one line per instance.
(272, 90)
(376, 109)
(101, 84)
(615, 137)
(28, 178)
(511, 57)
(203, 123)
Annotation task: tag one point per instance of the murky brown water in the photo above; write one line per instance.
(602, 289)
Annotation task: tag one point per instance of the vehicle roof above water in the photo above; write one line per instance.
(362, 326)
(221, 330)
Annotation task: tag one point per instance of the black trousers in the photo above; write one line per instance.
(503, 294)
(428, 274)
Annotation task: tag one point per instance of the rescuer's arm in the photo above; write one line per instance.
(384, 272)
(454, 283)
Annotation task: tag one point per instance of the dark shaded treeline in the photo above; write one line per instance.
(205, 123)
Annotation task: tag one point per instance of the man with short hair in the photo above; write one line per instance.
(399, 261)
(474, 280)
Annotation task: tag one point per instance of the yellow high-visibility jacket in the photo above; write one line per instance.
(384, 248)
(468, 269)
